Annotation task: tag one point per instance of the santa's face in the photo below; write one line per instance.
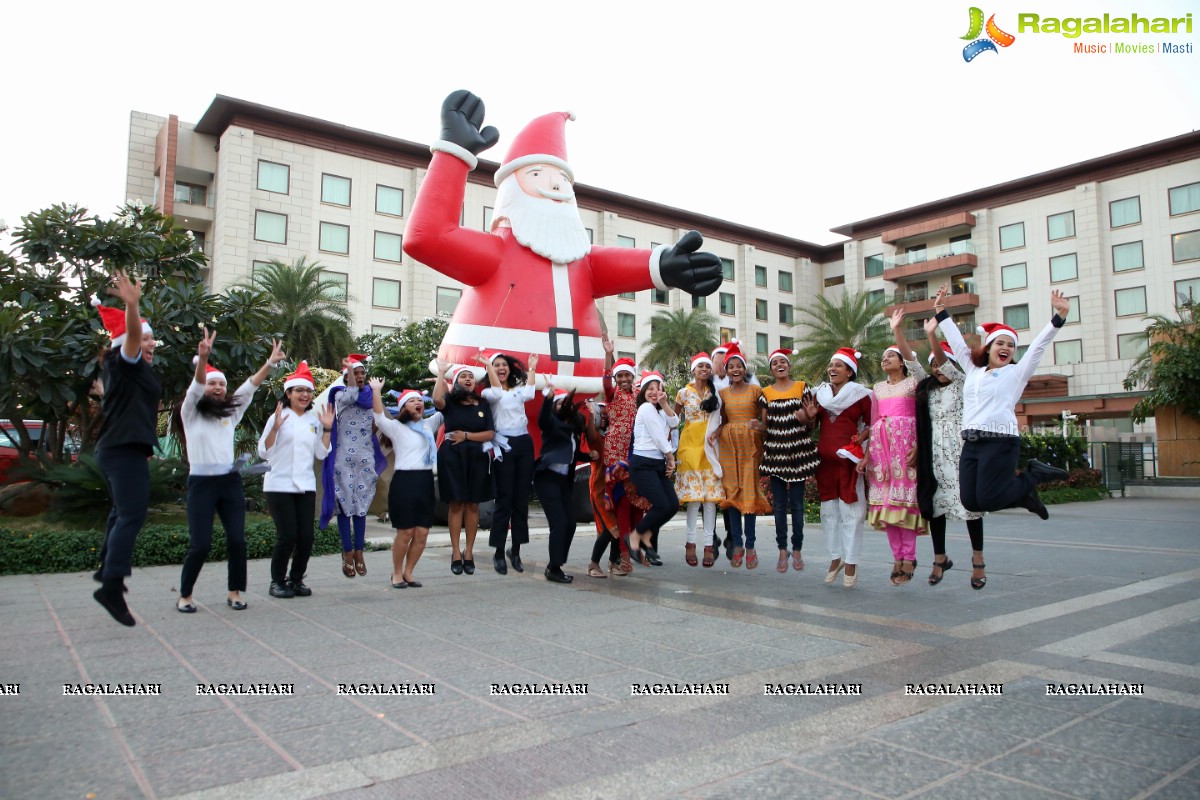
(545, 181)
(538, 203)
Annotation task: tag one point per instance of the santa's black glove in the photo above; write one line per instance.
(682, 267)
(462, 114)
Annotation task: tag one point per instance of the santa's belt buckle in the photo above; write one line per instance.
(564, 344)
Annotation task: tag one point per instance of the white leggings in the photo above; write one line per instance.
(710, 521)
(843, 524)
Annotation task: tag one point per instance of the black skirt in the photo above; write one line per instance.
(464, 473)
(410, 499)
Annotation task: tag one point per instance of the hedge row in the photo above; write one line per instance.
(24, 552)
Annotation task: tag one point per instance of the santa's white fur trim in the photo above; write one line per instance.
(458, 151)
(656, 267)
(531, 159)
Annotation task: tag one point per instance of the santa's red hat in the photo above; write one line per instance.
(700, 358)
(624, 365)
(783, 351)
(211, 373)
(849, 356)
(408, 394)
(648, 376)
(302, 378)
(542, 141)
(990, 330)
(493, 355)
(734, 351)
(457, 370)
(947, 350)
(113, 320)
(852, 452)
(356, 360)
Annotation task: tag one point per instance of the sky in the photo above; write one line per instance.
(792, 118)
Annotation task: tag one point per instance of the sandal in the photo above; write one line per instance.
(626, 564)
(709, 557)
(782, 564)
(689, 555)
(348, 564)
(944, 565)
(736, 560)
(751, 558)
(797, 561)
(617, 569)
(978, 583)
(903, 576)
(360, 565)
(594, 571)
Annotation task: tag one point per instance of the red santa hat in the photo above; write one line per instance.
(211, 373)
(849, 356)
(990, 330)
(624, 365)
(493, 355)
(302, 378)
(649, 376)
(113, 320)
(852, 452)
(356, 360)
(947, 350)
(408, 394)
(543, 141)
(734, 351)
(721, 350)
(700, 358)
(783, 351)
(892, 349)
(457, 370)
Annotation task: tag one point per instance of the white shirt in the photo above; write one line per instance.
(651, 434)
(298, 442)
(508, 407)
(210, 439)
(411, 448)
(990, 395)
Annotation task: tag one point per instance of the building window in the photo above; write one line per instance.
(1064, 268)
(1184, 199)
(388, 246)
(1127, 256)
(591, 235)
(1014, 276)
(1131, 345)
(1060, 226)
(960, 244)
(1131, 301)
(1185, 246)
(785, 281)
(699, 301)
(760, 310)
(335, 190)
(836, 280)
(382, 330)
(727, 269)
(627, 354)
(1012, 236)
(626, 241)
(786, 342)
(256, 267)
(487, 217)
(385, 293)
(190, 193)
(659, 297)
(728, 334)
(873, 266)
(1073, 314)
(628, 295)
(1068, 352)
(389, 200)
(339, 288)
(914, 254)
(335, 238)
(626, 325)
(270, 227)
(1125, 212)
(273, 177)
(447, 300)
(1187, 291)
(1022, 349)
(760, 276)
(760, 343)
(875, 296)
(1017, 317)
(727, 304)
(786, 313)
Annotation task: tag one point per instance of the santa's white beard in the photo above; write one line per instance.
(552, 230)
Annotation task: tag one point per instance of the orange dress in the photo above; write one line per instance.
(741, 451)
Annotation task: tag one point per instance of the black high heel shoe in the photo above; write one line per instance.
(978, 583)
(934, 580)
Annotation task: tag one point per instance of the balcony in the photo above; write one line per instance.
(961, 220)
(920, 301)
(954, 256)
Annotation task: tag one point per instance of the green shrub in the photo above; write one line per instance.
(1068, 494)
(27, 552)
(1054, 449)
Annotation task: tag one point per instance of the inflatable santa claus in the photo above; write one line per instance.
(534, 277)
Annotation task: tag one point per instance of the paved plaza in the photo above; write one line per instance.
(1104, 595)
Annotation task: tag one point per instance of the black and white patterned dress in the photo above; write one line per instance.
(945, 417)
(788, 450)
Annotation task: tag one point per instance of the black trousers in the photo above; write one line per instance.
(209, 496)
(937, 534)
(127, 470)
(294, 514)
(554, 492)
(649, 475)
(606, 540)
(987, 476)
(513, 477)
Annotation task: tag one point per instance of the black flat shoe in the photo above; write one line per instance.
(1032, 503)
(456, 566)
(557, 576)
(98, 577)
(281, 590)
(945, 565)
(415, 584)
(186, 608)
(299, 589)
(236, 605)
(468, 566)
(400, 585)
(1044, 472)
(114, 603)
(500, 564)
(515, 559)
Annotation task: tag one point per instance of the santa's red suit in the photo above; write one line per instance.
(517, 301)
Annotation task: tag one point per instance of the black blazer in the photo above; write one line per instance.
(560, 440)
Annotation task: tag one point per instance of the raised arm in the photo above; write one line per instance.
(493, 379)
(1037, 348)
(129, 291)
(376, 385)
(939, 355)
(273, 360)
(439, 386)
(962, 351)
(897, 321)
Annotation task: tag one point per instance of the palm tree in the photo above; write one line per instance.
(676, 336)
(308, 308)
(855, 320)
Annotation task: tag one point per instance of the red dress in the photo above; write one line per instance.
(836, 477)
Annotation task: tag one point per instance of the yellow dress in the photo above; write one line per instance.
(741, 451)
(695, 480)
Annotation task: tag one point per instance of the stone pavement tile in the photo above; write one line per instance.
(476, 681)
(279, 714)
(154, 738)
(542, 706)
(341, 740)
(199, 768)
(1164, 718)
(77, 750)
(875, 767)
(1066, 771)
(753, 658)
(33, 781)
(444, 659)
(1175, 644)
(1002, 714)
(1184, 788)
(975, 785)
(1033, 690)
(447, 720)
(567, 666)
(774, 782)
(948, 739)
(614, 685)
(1157, 751)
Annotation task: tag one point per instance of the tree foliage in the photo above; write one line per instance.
(853, 321)
(1170, 367)
(314, 326)
(676, 336)
(401, 358)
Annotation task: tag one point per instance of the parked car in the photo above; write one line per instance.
(10, 439)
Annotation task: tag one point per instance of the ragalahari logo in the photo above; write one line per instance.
(995, 36)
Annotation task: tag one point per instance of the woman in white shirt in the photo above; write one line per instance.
(992, 445)
(652, 465)
(411, 498)
(210, 417)
(292, 438)
(507, 394)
